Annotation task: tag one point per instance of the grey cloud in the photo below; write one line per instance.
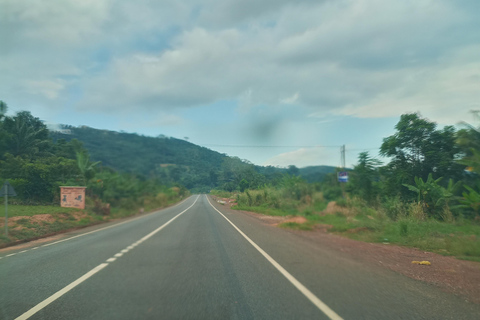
(340, 57)
(231, 13)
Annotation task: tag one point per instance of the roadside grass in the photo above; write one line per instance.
(221, 193)
(297, 226)
(33, 225)
(459, 238)
(265, 210)
(21, 210)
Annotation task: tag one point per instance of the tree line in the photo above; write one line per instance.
(429, 172)
(36, 166)
(434, 168)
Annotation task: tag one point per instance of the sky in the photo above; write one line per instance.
(275, 82)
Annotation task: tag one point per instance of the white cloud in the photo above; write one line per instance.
(363, 58)
(445, 92)
(290, 100)
(48, 88)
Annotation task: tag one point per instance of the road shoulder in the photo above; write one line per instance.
(451, 275)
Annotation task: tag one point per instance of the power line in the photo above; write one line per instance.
(256, 146)
(362, 149)
(275, 146)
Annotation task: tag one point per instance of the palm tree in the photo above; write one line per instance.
(28, 135)
(87, 168)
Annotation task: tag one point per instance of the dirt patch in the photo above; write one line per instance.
(228, 202)
(299, 220)
(450, 274)
(333, 208)
(275, 220)
(36, 219)
(79, 215)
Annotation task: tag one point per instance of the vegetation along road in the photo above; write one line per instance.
(199, 260)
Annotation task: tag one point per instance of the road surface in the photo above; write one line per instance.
(197, 260)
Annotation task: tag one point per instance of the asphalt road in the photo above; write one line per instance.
(193, 261)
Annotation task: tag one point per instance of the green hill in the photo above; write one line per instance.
(160, 157)
(169, 159)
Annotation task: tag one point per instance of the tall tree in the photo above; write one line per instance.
(417, 149)
(28, 136)
(364, 176)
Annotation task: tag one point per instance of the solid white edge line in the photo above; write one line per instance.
(60, 293)
(72, 285)
(307, 293)
(84, 234)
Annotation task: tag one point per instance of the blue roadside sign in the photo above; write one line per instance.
(343, 176)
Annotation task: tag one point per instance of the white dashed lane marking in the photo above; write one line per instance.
(72, 285)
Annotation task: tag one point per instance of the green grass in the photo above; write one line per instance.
(221, 193)
(460, 239)
(21, 210)
(266, 210)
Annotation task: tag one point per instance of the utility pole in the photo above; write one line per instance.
(342, 158)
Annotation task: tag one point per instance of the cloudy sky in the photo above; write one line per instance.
(298, 78)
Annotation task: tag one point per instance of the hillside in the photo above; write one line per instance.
(161, 157)
(315, 173)
(168, 159)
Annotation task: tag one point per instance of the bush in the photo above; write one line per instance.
(341, 202)
(331, 193)
(100, 208)
(416, 211)
(394, 208)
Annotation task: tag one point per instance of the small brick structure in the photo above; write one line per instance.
(72, 197)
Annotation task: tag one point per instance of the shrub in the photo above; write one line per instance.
(101, 208)
(416, 211)
(341, 202)
(394, 208)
